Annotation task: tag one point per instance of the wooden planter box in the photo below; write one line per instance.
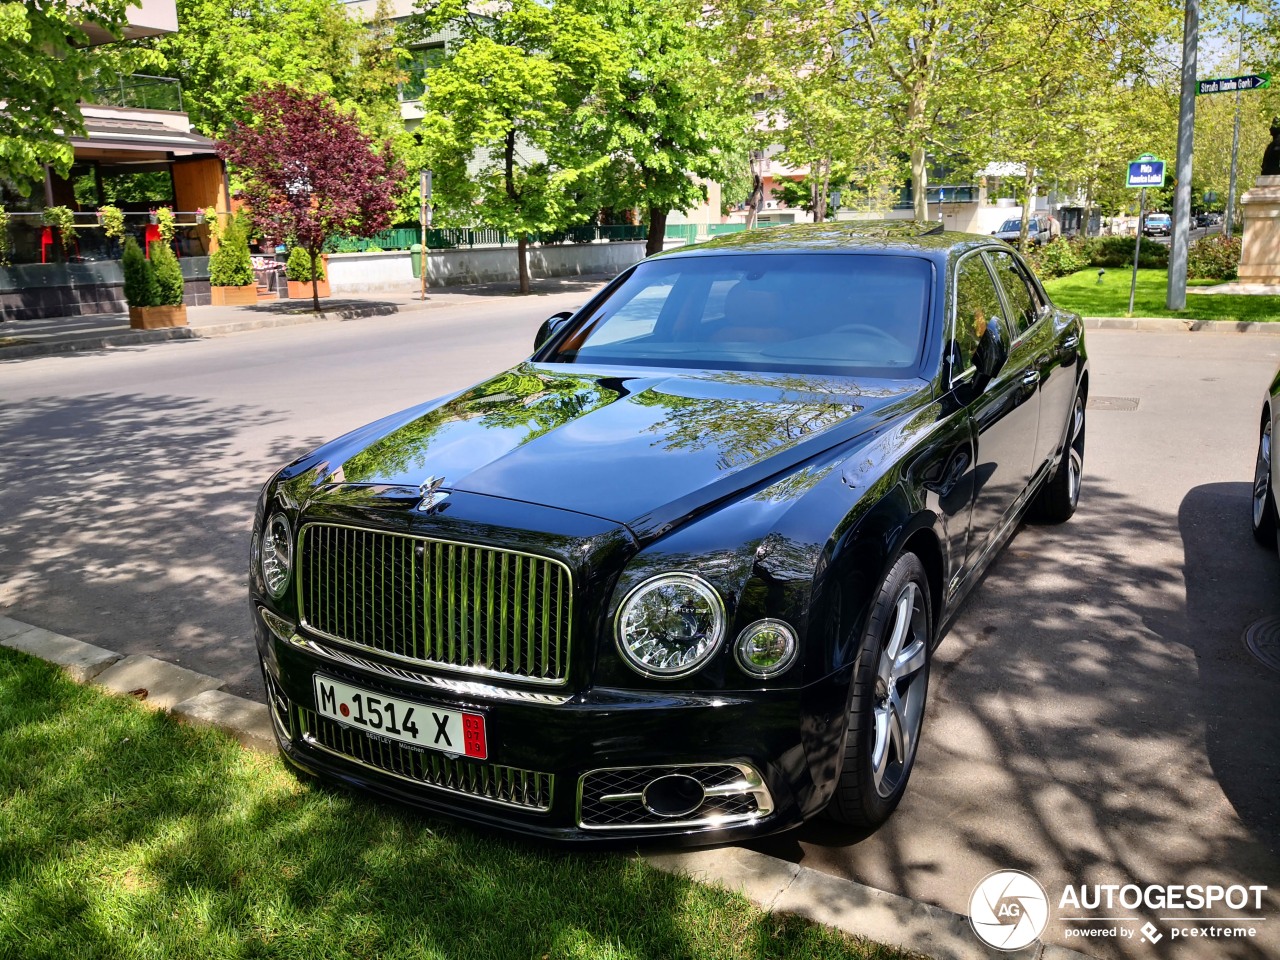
(156, 318)
(301, 289)
(245, 296)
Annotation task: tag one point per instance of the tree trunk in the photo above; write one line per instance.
(919, 184)
(1028, 201)
(315, 290)
(657, 231)
(757, 195)
(1088, 211)
(522, 253)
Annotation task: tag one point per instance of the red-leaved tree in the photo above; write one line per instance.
(309, 172)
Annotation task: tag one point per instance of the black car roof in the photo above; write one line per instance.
(919, 237)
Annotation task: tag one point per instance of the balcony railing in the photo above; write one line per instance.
(141, 92)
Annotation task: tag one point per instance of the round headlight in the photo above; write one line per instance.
(276, 550)
(670, 626)
(766, 648)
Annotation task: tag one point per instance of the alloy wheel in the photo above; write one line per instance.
(1075, 452)
(1262, 478)
(901, 681)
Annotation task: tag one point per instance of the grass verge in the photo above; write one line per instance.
(124, 834)
(1082, 293)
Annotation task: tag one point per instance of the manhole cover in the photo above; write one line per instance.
(1263, 640)
(1113, 403)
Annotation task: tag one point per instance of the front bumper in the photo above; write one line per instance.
(571, 767)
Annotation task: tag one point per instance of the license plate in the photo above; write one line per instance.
(417, 724)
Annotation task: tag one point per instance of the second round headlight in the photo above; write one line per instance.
(766, 648)
(670, 625)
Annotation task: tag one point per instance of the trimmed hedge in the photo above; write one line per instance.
(1214, 258)
(140, 287)
(298, 267)
(230, 265)
(168, 275)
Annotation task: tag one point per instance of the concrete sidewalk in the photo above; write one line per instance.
(20, 339)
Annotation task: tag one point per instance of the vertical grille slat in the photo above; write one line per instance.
(435, 602)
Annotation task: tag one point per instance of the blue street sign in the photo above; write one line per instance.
(1146, 171)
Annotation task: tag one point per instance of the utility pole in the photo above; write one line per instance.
(1235, 138)
(1176, 298)
(424, 220)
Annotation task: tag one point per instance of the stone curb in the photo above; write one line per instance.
(854, 908)
(775, 885)
(1174, 325)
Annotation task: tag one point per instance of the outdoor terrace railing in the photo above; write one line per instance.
(30, 240)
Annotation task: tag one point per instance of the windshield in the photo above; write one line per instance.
(1010, 226)
(831, 313)
(1158, 218)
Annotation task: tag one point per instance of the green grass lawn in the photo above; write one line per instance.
(124, 834)
(1081, 293)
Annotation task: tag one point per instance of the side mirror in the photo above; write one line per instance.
(550, 327)
(993, 350)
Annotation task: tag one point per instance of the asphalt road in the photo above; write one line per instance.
(1094, 716)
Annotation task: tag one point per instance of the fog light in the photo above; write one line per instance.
(675, 795)
(766, 648)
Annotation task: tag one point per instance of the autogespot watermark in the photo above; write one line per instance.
(1010, 910)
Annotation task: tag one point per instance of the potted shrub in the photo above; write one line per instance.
(151, 287)
(231, 279)
(298, 273)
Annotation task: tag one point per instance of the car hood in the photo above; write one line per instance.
(642, 449)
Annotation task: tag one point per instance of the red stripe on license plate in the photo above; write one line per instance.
(473, 738)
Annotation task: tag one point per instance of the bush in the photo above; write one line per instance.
(1058, 258)
(298, 269)
(168, 275)
(140, 288)
(1118, 252)
(230, 265)
(1214, 258)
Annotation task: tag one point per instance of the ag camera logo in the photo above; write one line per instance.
(1008, 910)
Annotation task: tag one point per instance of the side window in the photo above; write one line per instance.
(1022, 301)
(976, 304)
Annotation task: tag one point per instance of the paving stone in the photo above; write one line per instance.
(1062, 953)
(166, 685)
(246, 720)
(760, 878)
(78, 660)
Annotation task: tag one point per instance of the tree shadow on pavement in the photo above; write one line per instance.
(1094, 718)
(126, 523)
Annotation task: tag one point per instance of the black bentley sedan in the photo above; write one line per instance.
(680, 574)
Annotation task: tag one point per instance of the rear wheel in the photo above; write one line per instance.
(1057, 500)
(887, 699)
(1264, 500)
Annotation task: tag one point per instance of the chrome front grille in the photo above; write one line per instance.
(509, 786)
(472, 609)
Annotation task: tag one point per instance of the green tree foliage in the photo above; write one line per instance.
(298, 267)
(140, 287)
(230, 265)
(228, 50)
(46, 69)
(662, 113)
(500, 113)
(168, 276)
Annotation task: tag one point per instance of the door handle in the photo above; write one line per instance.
(1071, 342)
(1031, 378)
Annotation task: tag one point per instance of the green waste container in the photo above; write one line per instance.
(417, 257)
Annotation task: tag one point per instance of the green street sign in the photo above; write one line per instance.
(1250, 81)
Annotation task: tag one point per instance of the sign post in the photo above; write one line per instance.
(1146, 171)
(424, 220)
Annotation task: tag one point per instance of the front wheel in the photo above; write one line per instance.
(1057, 500)
(1264, 501)
(887, 699)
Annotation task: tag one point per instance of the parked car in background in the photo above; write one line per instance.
(679, 575)
(1157, 225)
(1011, 231)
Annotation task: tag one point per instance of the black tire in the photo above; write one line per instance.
(1264, 499)
(1057, 499)
(887, 695)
